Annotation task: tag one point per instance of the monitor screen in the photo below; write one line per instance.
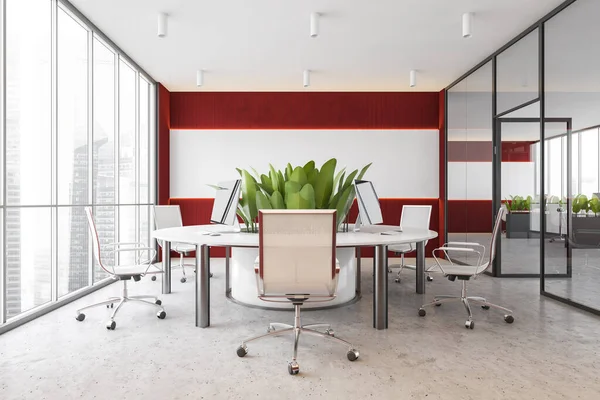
(226, 202)
(368, 203)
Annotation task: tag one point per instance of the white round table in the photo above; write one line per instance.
(368, 237)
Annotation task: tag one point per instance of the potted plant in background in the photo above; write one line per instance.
(517, 217)
(300, 187)
(585, 222)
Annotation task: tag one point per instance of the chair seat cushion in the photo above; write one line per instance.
(401, 248)
(183, 247)
(464, 270)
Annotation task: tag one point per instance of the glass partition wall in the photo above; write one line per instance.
(544, 140)
(77, 130)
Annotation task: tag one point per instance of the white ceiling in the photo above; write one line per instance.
(264, 45)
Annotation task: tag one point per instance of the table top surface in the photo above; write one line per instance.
(368, 236)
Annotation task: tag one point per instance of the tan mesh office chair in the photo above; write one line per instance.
(297, 264)
(123, 273)
(466, 272)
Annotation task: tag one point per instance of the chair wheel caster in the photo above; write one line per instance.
(153, 278)
(470, 324)
(161, 314)
(210, 275)
(111, 325)
(389, 271)
(352, 354)
(110, 306)
(422, 312)
(330, 332)
(485, 307)
(183, 280)
(509, 319)
(269, 329)
(80, 317)
(293, 368)
(397, 280)
(158, 302)
(438, 304)
(429, 278)
(242, 351)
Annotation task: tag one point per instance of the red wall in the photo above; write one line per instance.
(197, 212)
(298, 110)
(164, 124)
(482, 151)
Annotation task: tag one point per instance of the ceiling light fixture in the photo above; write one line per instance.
(314, 24)
(199, 78)
(467, 22)
(413, 78)
(162, 24)
(306, 78)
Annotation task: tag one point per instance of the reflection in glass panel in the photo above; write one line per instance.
(104, 217)
(519, 192)
(517, 73)
(33, 253)
(127, 126)
(128, 230)
(73, 250)
(104, 125)
(470, 161)
(72, 111)
(573, 91)
(144, 139)
(28, 103)
(589, 162)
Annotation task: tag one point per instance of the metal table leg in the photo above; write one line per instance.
(202, 286)
(380, 289)
(358, 276)
(227, 257)
(166, 260)
(420, 270)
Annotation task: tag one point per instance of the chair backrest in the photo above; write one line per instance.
(495, 233)
(297, 252)
(95, 239)
(415, 217)
(167, 217)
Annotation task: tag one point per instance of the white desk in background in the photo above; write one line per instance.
(197, 235)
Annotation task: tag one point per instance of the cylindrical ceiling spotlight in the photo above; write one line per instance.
(413, 78)
(467, 22)
(162, 24)
(199, 78)
(314, 24)
(306, 78)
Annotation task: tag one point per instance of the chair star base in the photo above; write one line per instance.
(276, 329)
(466, 300)
(124, 298)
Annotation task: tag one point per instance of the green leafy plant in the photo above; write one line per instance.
(580, 203)
(301, 187)
(518, 204)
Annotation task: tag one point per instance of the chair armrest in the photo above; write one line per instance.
(462, 244)
(148, 262)
(459, 249)
(465, 249)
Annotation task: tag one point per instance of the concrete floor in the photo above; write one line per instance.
(551, 351)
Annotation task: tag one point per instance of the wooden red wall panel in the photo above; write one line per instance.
(164, 125)
(299, 110)
(470, 216)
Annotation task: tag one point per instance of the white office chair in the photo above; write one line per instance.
(466, 272)
(170, 217)
(411, 217)
(123, 273)
(297, 264)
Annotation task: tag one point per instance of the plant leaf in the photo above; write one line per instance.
(291, 187)
(362, 171)
(304, 199)
(274, 178)
(277, 200)
(249, 193)
(309, 167)
(344, 203)
(313, 176)
(288, 171)
(266, 184)
(298, 175)
(324, 183)
(262, 202)
(281, 185)
(349, 180)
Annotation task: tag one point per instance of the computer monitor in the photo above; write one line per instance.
(224, 209)
(369, 210)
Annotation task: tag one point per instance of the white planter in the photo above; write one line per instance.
(243, 280)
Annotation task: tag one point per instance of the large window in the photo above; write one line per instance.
(78, 134)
